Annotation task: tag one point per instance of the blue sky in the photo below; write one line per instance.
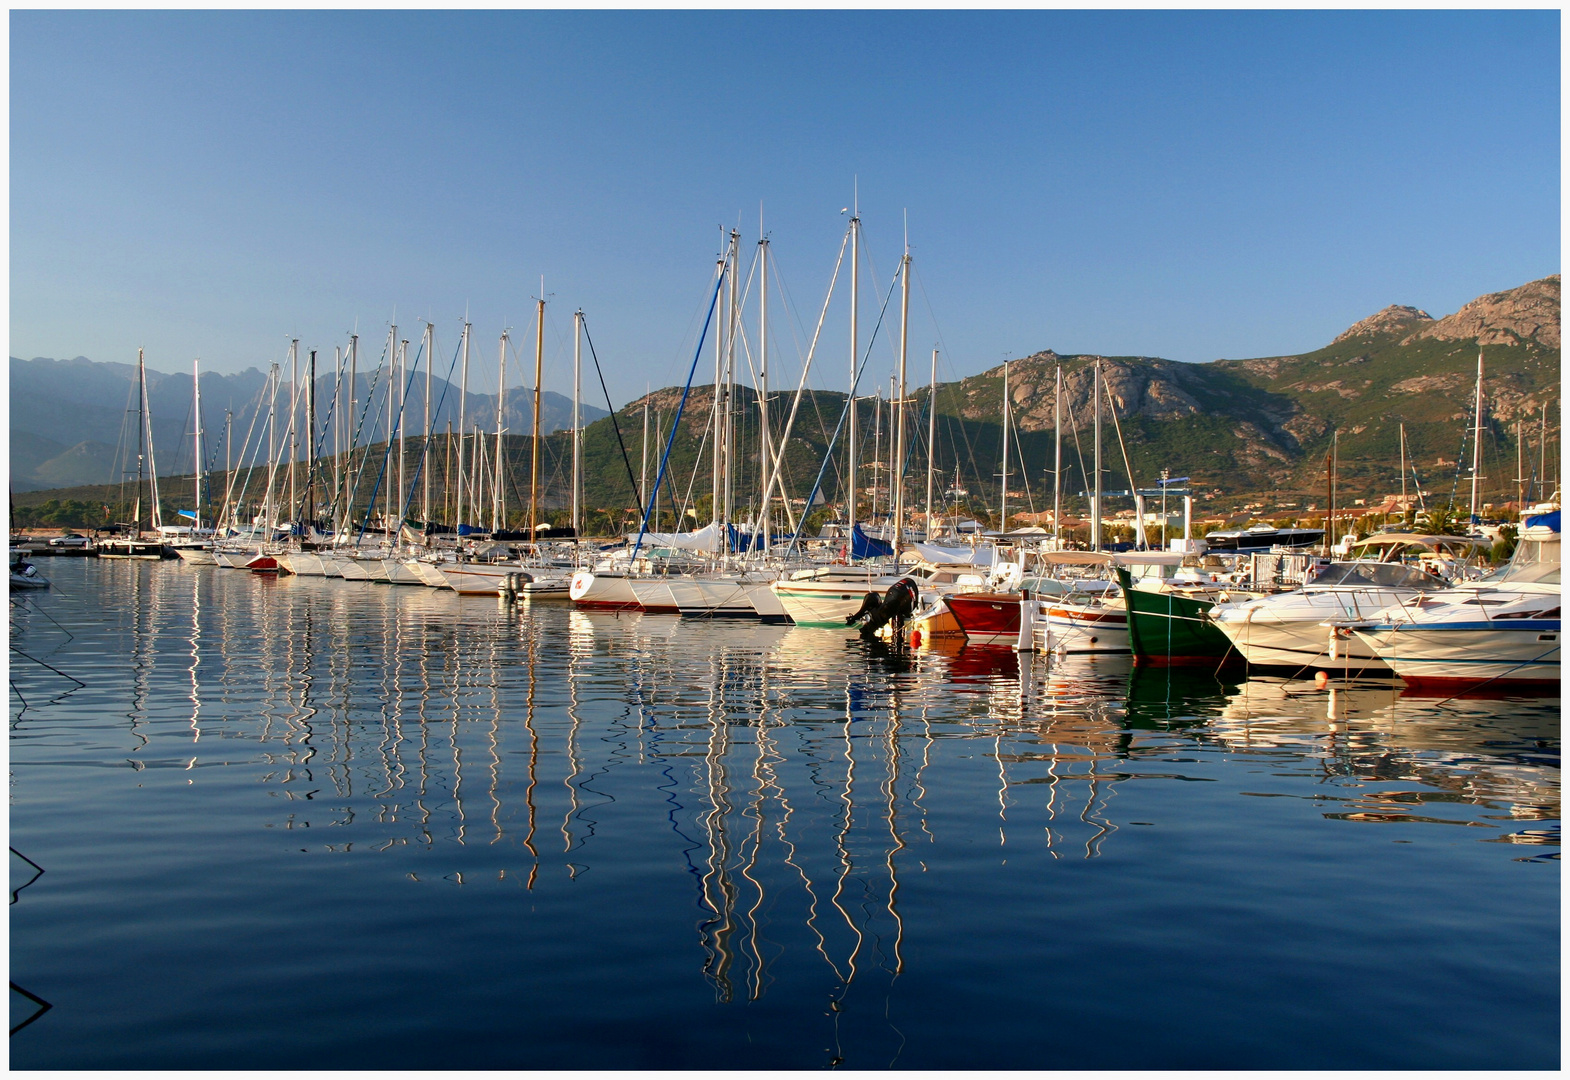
(1188, 185)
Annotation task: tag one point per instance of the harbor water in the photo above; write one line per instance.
(309, 823)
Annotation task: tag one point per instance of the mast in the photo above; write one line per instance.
(425, 446)
(338, 428)
(577, 425)
(897, 458)
(539, 372)
(1403, 470)
(1095, 488)
(294, 434)
(497, 515)
(855, 345)
(402, 369)
(348, 473)
(1003, 503)
(1542, 449)
(732, 321)
(932, 437)
(463, 405)
(1477, 442)
(643, 468)
(228, 463)
(718, 454)
(196, 385)
(310, 443)
(268, 511)
(1518, 477)
(141, 432)
(1057, 459)
(763, 377)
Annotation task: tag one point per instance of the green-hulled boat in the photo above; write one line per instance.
(1171, 628)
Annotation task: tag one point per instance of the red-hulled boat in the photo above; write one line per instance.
(988, 618)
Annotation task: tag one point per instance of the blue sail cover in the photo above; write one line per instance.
(1550, 521)
(468, 530)
(752, 541)
(863, 546)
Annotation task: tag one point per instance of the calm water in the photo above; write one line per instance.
(319, 824)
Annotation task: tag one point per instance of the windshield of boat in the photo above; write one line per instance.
(1375, 575)
(1534, 560)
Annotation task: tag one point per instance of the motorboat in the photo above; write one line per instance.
(1291, 629)
(1498, 633)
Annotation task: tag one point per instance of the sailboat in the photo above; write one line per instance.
(133, 546)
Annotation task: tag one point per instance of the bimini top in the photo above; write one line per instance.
(1426, 540)
(1373, 575)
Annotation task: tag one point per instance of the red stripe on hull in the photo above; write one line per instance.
(1445, 687)
(986, 617)
(607, 605)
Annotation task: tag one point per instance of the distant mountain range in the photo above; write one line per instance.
(1237, 427)
(1258, 427)
(71, 419)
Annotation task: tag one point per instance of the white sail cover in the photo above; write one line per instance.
(939, 555)
(704, 539)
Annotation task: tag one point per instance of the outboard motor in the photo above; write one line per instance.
(896, 606)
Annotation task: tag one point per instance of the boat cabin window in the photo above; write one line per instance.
(1534, 560)
(1375, 575)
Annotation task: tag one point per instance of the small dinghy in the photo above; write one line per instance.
(24, 575)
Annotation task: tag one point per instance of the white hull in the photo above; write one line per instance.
(430, 573)
(304, 563)
(197, 556)
(398, 572)
(826, 603)
(1289, 631)
(1085, 628)
(1469, 653)
(478, 579)
(606, 592)
(654, 594)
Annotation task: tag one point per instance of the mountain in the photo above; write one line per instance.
(1239, 428)
(1252, 428)
(69, 418)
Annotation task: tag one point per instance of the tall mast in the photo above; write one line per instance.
(932, 437)
(338, 429)
(294, 434)
(1057, 458)
(718, 456)
(1542, 449)
(497, 515)
(141, 450)
(855, 347)
(577, 425)
(1095, 487)
(732, 320)
(1403, 470)
(397, 503)
(268, 511)
(1518, 465)
(897, 458)
(763, 377)
(643, 467)
(228, 463)
(425, 447)
(350, 421)
(1003, 503)
(463, 405)
(196, 385)
(1477, 442)
(539, 373)
(310, 442)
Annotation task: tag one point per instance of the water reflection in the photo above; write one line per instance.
(800, 780)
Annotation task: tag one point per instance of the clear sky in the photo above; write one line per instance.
(1188, 185)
